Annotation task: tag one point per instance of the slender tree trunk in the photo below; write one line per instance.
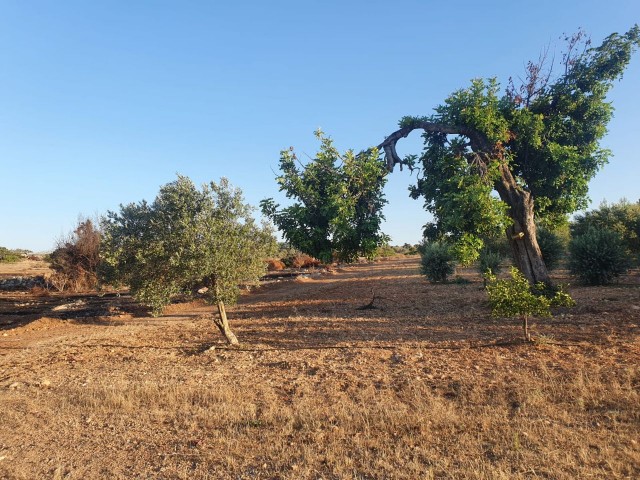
(522, 234)
(223, 325)
(221, 320)
(525, 327)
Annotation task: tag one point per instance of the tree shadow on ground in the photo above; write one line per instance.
(84, 308)
(328, 312)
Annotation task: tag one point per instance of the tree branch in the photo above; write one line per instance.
(477, 140)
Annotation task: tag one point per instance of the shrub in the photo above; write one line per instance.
(438, 261)
(598, 256)
(489, 260)
(76, 259)
(409, 249)
(498, 243)
(385, 250)
(9, 256)
(516, 298)
(552, 247)
(622, 217)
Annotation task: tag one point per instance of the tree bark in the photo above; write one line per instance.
(223, 324)
(525, 327)
(522, 234)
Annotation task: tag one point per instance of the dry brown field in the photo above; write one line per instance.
(425, 385)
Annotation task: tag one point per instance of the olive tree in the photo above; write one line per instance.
(187, 240)
(494, 161)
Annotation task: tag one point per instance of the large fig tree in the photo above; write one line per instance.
(495, 161)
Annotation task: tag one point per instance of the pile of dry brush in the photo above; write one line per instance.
(76, 258)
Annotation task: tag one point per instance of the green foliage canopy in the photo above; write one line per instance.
(339, 200)
(546, 131)
(517, 298)
(187, 238)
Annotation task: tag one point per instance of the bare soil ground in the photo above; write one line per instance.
(425, 385)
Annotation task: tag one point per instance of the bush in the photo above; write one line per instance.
(76, 259)
(622, 217)
(516, 298)
(9, 256)
(409, 249)
(438, 261)
(385, 251)
(552, 247)
(490, 260)
(598, 257)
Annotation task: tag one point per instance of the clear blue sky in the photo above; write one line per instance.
(102, 102)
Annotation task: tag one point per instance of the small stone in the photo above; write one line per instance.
(15, 386)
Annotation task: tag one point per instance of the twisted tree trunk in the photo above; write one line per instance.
(522, 233)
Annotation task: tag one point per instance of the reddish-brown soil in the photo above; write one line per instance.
(425, 384)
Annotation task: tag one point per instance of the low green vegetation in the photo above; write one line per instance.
(10, 256)
(490, 261)
(516, 297)
(438, 261)
(598, 256)
(552, 246)
(622, 217)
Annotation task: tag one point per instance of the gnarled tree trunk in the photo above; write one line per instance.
(522, 233)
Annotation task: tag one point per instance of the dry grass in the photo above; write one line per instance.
(25, 268)
(312, 397)
(535, 423)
